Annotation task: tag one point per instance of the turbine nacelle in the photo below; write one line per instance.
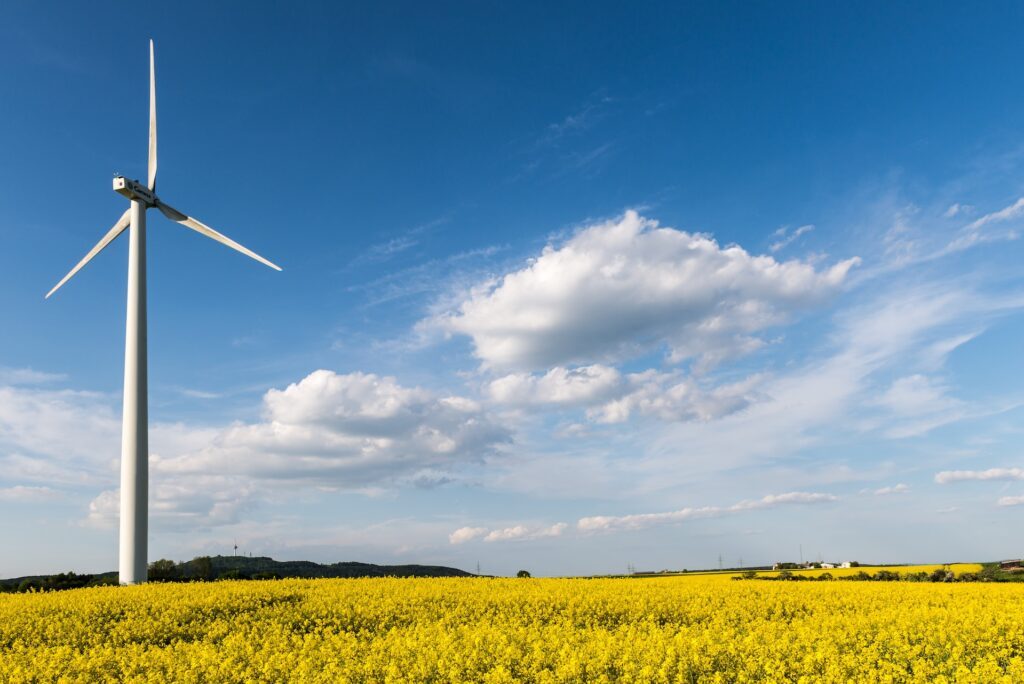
(134, 190)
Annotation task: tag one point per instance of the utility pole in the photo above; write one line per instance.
(741, 562)
(719, 561)
(801, 554)
(478, 567)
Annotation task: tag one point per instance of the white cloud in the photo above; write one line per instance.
(920, 404)
(1010, 501)
(972, 233)
(27, 493)
(56, 436)
(894, 489)
(955, 209)
(827, 394)
(465, 534)
(27, 376)
(184, 503)
(787, 239)
(916, 395)
(624, 287)
(583, 385)
(615, 398)
(523, 532)
(672, 398)
(603, 523)
(513, 533)
(103, 509)
(349, 430)
(1015, 210)
(947, 476)
(811, 401)
(356, 432)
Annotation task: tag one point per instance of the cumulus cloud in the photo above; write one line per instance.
(52, 437)
(947, 476)
(583, 385)
(189, 502)
(670, 397)
(348, 430)
(624, 287)
(612, 397)
(513, 533)
(465, 534)
(525, 532)
(356, 432)
(604, 523)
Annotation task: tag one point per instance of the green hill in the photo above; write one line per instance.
(236, 567)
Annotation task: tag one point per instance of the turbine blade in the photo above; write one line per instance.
(152, 118)
(122, 223)
(203, 229)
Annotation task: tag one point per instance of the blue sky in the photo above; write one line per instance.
(564, 288)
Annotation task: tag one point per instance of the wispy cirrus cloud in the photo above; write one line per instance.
(27, 493)
(979, 231)
(604, 523)
(890, 490)
(27, 376)
(785, 238)
(593, 524)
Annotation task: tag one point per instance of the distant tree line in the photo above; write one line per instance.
(989, 573)
(65, 580)
(200, 569)
(207, 569)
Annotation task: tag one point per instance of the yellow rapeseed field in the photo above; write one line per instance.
(671, 629)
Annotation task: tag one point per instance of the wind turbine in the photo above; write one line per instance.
(134, 426)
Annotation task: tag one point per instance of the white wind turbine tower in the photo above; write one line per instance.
(134, 426)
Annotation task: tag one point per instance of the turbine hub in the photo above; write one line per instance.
(134, 190)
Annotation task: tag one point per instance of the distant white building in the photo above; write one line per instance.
(828, 565)
(847, 564)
